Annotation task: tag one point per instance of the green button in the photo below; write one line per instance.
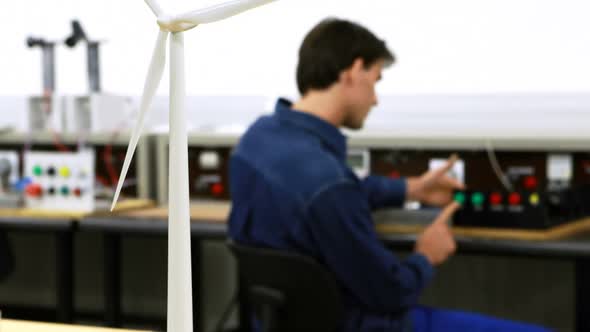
(459, 198)
(65, 191)
(37, 170)
(477, 198)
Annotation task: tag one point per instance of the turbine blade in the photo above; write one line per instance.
(155, 7)
(219, 12)
(153, 78)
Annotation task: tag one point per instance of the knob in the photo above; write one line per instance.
(37, 170)
(65, 190)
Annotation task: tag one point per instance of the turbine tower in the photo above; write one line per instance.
(179, 310)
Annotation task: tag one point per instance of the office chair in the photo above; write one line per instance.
(6, 257)
(287, 292)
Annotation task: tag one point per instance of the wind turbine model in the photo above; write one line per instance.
(179, 316)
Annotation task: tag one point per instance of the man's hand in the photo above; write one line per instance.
(436, 243)
(434, 187)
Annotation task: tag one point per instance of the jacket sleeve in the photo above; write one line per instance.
(341, 222)
(384, 192)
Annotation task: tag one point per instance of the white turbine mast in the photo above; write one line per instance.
(179, 310)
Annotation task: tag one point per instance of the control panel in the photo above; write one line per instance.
(523, 209)
(208, 170)
(60, 180)
(509, 189)
(512, 182)
(108, 162)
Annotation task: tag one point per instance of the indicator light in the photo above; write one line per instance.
(217, 189)
(477, 198)
(495, 198)
(530, 182)
(534, 199)
(459, 197)
(514, 199)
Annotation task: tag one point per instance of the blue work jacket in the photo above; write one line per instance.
(292, 190)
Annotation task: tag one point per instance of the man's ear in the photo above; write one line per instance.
(357, 69)
(352, 73)
(358, 65)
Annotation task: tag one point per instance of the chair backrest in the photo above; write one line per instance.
(6, 257)
(309, 295)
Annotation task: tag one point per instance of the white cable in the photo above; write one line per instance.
(496, 166)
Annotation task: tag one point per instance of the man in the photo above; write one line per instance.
(292, 190)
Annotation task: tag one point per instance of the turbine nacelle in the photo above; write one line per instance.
(173, 24)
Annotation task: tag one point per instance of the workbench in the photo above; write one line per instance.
(397, 229)
(11, 325)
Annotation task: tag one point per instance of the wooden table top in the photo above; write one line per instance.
(218, 212)
(11, 325)
(213, 212)
(130, 204)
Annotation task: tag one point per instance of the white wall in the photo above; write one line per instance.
(453, 46)
(459, 61)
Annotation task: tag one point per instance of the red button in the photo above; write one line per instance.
(78, 192)
(514, 199)
(217, 189)
(34, 190)
(496, 198)
(530, 182)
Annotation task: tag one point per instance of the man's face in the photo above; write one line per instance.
(360, 94)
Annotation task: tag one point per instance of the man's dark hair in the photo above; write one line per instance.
(331, 47)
